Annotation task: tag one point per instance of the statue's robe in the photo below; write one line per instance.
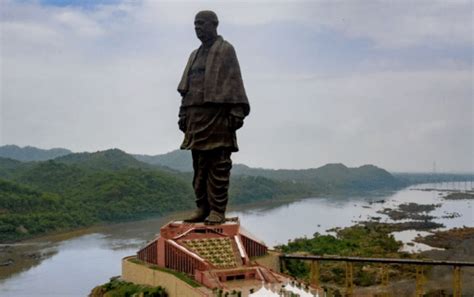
(213, 92)
(213, 100)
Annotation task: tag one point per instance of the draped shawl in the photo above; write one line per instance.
(222, 78)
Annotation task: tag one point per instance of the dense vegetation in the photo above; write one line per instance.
(117, 288)
(81, 189)
(84, 189)
(360, 240)
(53, 202)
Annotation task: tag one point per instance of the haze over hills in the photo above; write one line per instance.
(330, 175)
(30, 153)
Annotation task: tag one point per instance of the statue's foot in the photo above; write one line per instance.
(199, 215)
(215, 218)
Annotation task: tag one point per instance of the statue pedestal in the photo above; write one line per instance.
(217, 257)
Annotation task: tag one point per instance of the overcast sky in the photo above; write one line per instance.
(388, 83)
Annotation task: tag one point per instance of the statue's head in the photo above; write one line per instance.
(205, 25)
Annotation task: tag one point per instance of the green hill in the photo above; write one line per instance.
(49, 176)
(29, 153)
(83, 189)
(53, 196)
(110, 160)
(25, 212)
(8, 167)
(326, 179)
(178, 159)
(330, 177)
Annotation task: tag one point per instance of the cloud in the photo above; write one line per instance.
(399, 120)
(398, 24)
(395, 24)
(81, 24)
(378, 82)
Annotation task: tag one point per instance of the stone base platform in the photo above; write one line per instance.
(194, 259)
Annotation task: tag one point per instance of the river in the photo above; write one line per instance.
(72, 264)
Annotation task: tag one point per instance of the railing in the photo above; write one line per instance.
(349, 282)
(149, 253)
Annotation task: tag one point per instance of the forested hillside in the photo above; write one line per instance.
(84, 189)
(54, 197)
(80, 189)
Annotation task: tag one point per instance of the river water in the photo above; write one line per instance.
(72, 264)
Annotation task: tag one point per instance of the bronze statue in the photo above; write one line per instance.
(213, 107)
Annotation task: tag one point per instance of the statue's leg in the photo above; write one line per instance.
(200, 166)
(218, 177)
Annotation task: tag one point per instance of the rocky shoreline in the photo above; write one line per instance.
(458, 245)
(454, 244)
(410, 211)
(460, 195)
(448, 239)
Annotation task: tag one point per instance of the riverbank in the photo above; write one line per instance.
(22, 255)
(97, 252)
(375, 241)
(401, 219)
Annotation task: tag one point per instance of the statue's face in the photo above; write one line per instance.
(204, 27)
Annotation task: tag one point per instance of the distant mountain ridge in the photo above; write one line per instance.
(326, 178)
(30, 153)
